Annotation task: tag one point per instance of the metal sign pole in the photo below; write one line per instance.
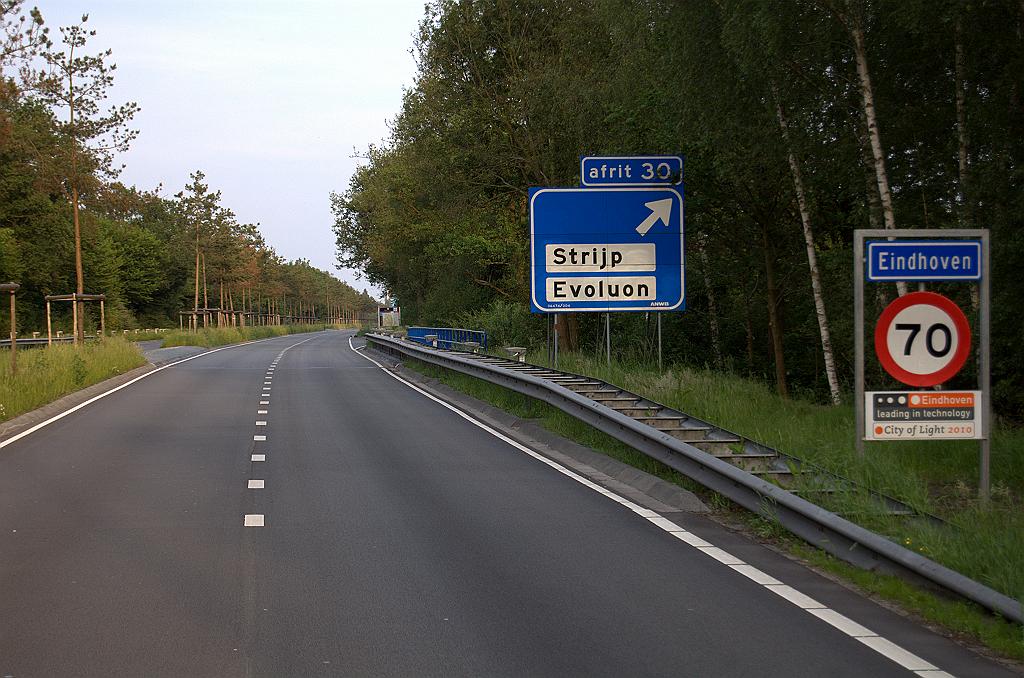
(858, 339)
(983, 276)
(984, 373)
(556, 340)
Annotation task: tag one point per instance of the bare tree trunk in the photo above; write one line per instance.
(716, 343)
(856, 30)
(749, 327)
(871, 191)
(812, 256)
(870, 185)
(774, 318)
(568, 329)
(79, 277)
(206, 297)
(196, 302)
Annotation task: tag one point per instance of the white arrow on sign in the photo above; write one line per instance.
(661, 210)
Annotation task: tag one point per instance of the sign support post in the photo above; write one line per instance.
(858, 338)
(984, 376)
(922, 267)
(555, 334)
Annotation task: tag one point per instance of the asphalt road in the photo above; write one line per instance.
(390, 537)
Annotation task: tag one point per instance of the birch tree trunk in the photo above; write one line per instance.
(856, 29)
(812, 256)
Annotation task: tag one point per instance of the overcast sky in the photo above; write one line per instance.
(271, 99)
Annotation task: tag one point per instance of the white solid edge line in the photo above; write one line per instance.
(61, 415)
(751, 572)
(891, 650)
(882, 646)
(801, 600)
(843, 623)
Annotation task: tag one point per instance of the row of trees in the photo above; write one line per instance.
(801, 120)
(67, 225)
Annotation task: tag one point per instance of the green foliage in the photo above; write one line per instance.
(138, 247)
(506, 324)
(508, 95)
(211, 337)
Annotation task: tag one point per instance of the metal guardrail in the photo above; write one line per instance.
(41, 341)
(447, 337)
(826, 530)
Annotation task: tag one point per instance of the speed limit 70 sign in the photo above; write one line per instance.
(922, 339)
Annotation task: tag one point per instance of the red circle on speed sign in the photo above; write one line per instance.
(922, 339)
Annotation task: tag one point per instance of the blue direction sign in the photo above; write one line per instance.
(924, 260)
(653, 170)
(611, 249)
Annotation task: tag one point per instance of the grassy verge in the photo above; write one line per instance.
(47, 373)
(989, 546)
(213, 336)
(936, 476)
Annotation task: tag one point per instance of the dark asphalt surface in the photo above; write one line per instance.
(399, 540)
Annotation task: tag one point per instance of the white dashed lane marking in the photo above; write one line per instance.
(257, 519)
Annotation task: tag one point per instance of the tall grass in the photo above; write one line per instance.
(45, 374)
(986, 544)
(214, 336)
